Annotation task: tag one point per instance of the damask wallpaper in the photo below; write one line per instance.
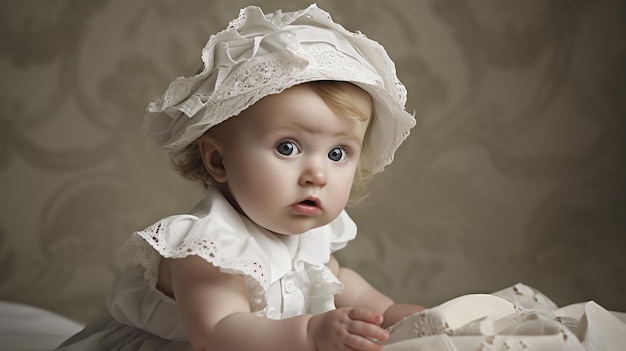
(515, 172)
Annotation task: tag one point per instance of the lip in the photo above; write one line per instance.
(308, 207)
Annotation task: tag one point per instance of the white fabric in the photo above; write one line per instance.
(258, 55)
(538, 326)
(30, 328)
(517, 318)
(286, 275)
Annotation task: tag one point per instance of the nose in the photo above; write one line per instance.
(314, 173)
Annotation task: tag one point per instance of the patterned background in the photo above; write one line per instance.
(515, 173)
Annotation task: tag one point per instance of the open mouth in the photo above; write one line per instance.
(308, 207)
(308, 202)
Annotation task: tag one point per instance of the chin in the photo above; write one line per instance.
(295, 230)
(291, 232)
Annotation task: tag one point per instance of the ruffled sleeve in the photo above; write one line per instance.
(342, 230)
(224, 242)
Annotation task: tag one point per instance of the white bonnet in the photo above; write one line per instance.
(258, 55)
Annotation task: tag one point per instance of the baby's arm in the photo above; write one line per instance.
(215, 311)
(358, 292)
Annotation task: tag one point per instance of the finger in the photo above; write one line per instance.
(359, 343)
(368, 330)
(365, 315)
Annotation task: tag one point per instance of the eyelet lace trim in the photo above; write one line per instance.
(150, 246)
(271, 75)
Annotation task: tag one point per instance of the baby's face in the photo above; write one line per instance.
(290, 160)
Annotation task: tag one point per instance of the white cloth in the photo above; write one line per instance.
(263, 54)
(286, 275)
(24, 327)
(516, 318)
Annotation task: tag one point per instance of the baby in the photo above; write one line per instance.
(290, 113)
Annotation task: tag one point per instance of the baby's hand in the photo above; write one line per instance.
(347, 329)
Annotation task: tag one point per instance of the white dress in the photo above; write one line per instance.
(286, 275)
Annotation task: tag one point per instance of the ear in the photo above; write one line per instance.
(212, 157)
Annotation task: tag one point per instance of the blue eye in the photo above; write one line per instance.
(337, 154)
(286, 148)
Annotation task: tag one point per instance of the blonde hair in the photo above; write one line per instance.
(337, 95)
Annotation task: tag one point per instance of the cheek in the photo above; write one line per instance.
(254, 176)
(344, 181)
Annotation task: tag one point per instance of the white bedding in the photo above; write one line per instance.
(516, 318)
(27, 328)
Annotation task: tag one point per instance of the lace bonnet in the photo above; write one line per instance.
(258, 55)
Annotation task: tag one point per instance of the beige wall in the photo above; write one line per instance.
(515, 172)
